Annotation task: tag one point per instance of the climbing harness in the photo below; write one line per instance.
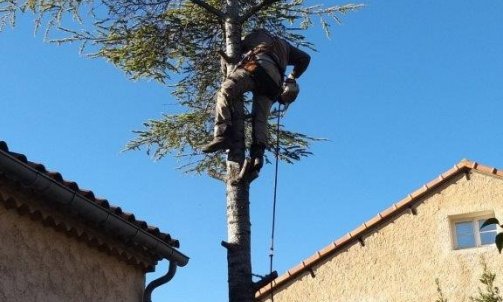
(276, 153)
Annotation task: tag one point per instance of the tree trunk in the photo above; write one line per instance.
(238, 203)
(238, 233)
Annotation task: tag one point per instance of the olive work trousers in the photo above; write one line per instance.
(229, 111)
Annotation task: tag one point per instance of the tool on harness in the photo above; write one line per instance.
(286, 94)
(264, 83)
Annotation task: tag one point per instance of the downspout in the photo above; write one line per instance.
(147, 295)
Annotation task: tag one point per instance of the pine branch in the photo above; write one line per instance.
(178, 44)
(209, 8)
(253, 10)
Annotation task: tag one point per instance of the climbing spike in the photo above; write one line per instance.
(247, 173)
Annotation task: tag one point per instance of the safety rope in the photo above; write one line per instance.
(271, 254)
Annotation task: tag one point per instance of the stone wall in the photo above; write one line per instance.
(401, 259)
(39, 264)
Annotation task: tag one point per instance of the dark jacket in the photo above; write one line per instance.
(282, 52)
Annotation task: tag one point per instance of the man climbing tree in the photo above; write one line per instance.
(158, 38)
(261, 71)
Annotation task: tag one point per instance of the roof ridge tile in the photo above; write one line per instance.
(3, 146)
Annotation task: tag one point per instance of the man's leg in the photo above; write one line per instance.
(260, 111)
(229, 109)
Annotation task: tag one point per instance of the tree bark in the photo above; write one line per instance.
(238, 203)
(238, 233)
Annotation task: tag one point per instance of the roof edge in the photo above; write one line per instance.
(48, 186)
(382, 217)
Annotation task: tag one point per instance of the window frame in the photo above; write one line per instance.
(474, 219)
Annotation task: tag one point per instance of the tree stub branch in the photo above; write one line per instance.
(227, 59)
(227, 245)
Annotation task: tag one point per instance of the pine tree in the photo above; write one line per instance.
(181, 43)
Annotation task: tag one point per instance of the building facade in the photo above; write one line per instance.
(61, 243)
(397, 255)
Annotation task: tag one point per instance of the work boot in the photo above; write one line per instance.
(218, 143)
(257, 156)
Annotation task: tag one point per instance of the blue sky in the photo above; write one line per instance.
(403, 90)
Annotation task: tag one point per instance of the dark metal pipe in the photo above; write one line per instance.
(147, 295)
(265, 280)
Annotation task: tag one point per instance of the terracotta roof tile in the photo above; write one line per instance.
(372, 224)
(419, 192)
(404, 202)
(433, 183)
(486, 169)
(342, 240)
(72, 185)
(296, 269)
(329, 248)
(311, 260)
(373, 221)
(388, 211)
(128, 216)
(87, 194)
(104, 203)
(452, 171)
(281, 279)
(358, 230)
(77, 233)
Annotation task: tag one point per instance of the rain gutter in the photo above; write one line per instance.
(88, 209)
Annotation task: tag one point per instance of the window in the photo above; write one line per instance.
(468, 234)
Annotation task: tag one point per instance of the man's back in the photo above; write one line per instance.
(282, 52)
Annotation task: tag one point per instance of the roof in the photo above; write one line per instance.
(464, 166)
(88, 197)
